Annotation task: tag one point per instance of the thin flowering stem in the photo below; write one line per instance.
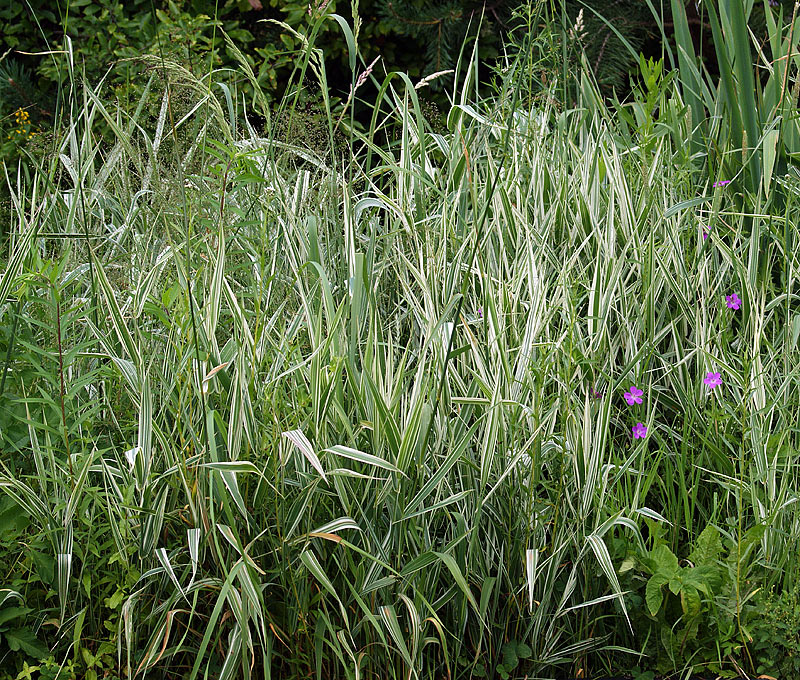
(433, 76)
(322, 7)
(362, 78)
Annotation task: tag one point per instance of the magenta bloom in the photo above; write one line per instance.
(639, 431)
(721, 183)
(595, 393)
(733, 301)
(480, 312)
(634, 396)
(705, 233)
(712, 380)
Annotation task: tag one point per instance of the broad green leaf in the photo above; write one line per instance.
(707, 547)
(690, 601)
(653, 593)
(23, 640)
(665, 560)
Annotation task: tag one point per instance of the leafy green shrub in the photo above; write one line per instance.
(15, 631)
(775, 629)
(682, 601)
(511, 653)
(189, 31)
(690, 605)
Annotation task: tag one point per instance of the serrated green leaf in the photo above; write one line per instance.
(707, 547)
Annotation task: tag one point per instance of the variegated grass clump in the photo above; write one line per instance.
(363, 416)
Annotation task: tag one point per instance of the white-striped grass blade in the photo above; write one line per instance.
(301, 442)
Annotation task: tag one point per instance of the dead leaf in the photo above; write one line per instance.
(329, 537)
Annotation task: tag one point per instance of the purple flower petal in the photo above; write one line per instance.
(712, 380)
(634, 396)
(639, 431)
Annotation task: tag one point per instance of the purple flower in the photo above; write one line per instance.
(774, 3)
(733, 301)
(712, 380)
(721, 183)
(705, 234)
(480, 312)
(595, 393)
(634, 396)
(639, 431)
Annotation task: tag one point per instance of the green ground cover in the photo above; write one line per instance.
(509, 394)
